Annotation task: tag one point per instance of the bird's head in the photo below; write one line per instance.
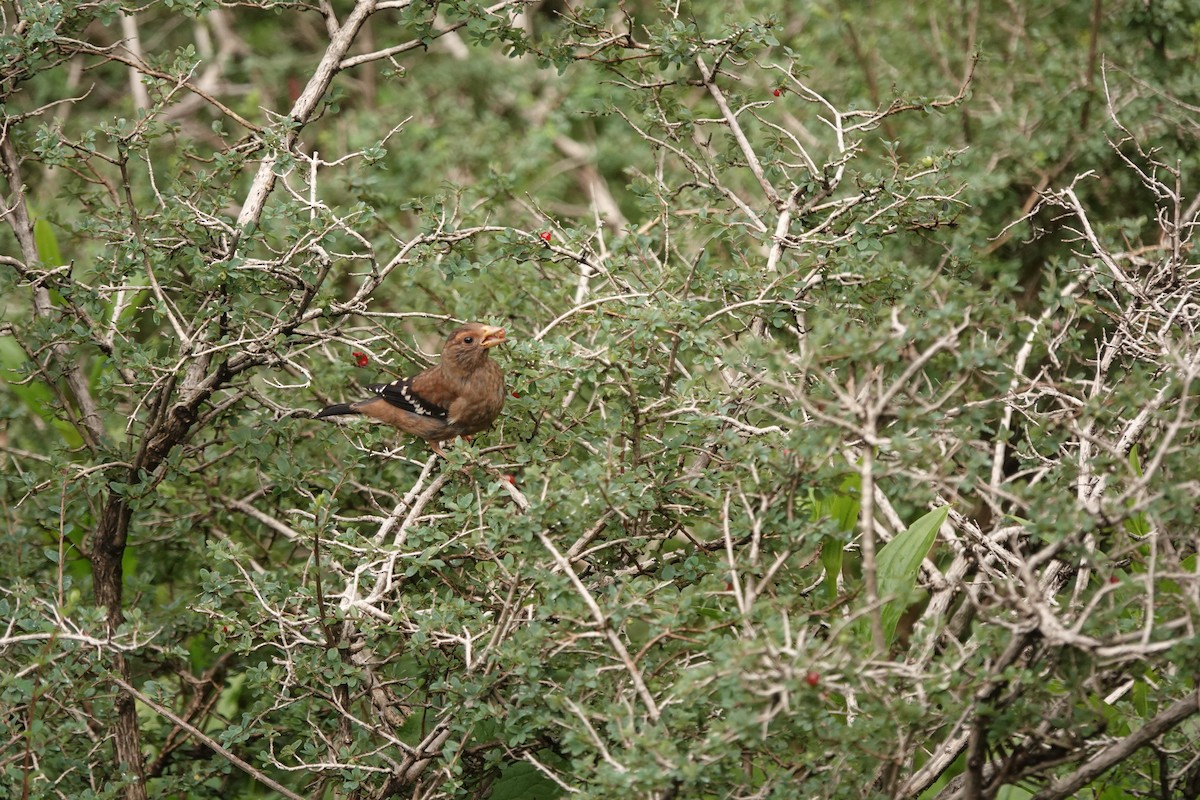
(467, 348)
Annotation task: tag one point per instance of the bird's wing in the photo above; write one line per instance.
(416, 394)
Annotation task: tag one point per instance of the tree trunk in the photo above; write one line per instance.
(108, 550)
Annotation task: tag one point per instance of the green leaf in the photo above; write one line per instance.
(842, 507)
(1136, 524)
(523, 780)
(47, 244)
(899, 562)
(831, 560)
(1135, 462)
(34, 394)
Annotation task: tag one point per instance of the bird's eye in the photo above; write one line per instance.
(468, 339)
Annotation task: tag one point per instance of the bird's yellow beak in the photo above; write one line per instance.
(492, 337)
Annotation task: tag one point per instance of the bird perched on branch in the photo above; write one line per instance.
(461, 395)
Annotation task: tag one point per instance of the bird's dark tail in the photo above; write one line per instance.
(335, 410)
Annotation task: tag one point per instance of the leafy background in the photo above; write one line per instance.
(850, 445)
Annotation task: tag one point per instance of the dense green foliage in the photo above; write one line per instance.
(851, 446)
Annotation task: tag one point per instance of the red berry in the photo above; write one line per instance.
(510, 479)
(514, 394)
(1114, 579)
(812, 678)
(545, 235)
(778, 92)
(360, 358)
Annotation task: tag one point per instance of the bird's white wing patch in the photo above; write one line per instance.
(401, 394)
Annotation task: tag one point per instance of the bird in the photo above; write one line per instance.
(462, 394)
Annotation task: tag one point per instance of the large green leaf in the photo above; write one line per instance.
(1137, 523)
(842, 507)
(47, 244)
(34, 394)
(523, 780)
(899, 561)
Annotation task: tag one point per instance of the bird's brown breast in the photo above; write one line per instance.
(479, 402)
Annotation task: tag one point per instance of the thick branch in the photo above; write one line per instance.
(302, 111)
(1117, 752)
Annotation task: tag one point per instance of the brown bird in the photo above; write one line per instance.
(461, 395)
